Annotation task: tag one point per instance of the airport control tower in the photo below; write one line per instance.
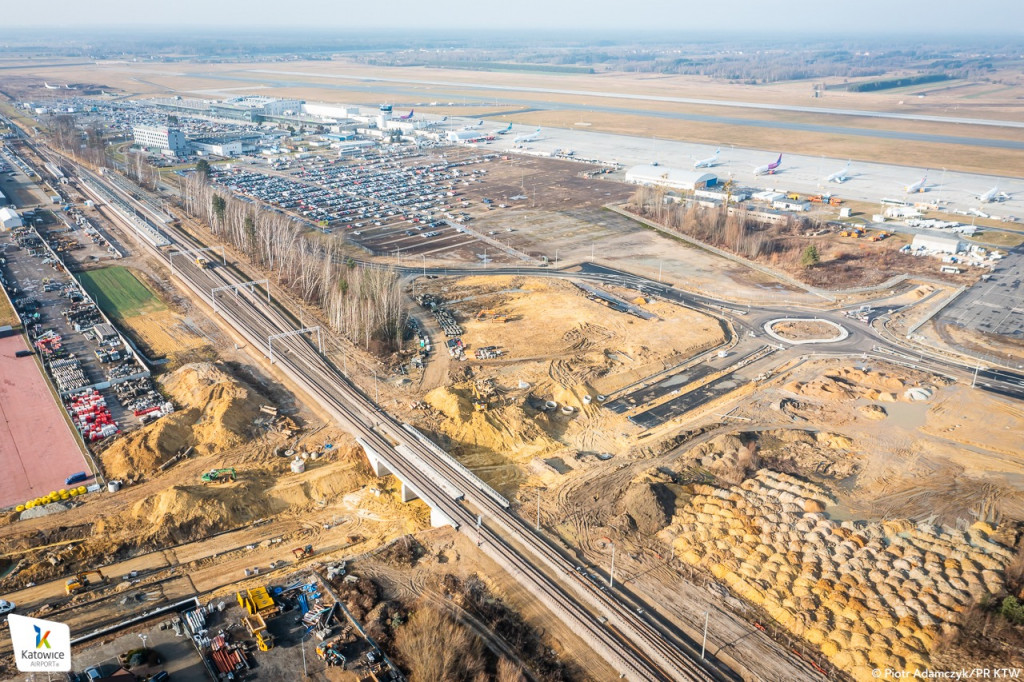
(384, 116)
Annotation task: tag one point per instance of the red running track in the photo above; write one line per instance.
(37, 448)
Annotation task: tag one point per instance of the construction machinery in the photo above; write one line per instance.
(825, 199)
(202, 263)
(218, 475)
(257, 601)
(856, 233)
(879, 236)
(303, 552)
(257, 627)
(492, 314)
(83, 581)
(329, 653)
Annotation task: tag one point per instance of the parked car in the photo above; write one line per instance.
(6, 607)
(93, 673)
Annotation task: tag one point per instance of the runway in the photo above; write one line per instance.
(659, 98)
(398, 89)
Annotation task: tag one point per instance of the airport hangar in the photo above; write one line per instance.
(672, 178)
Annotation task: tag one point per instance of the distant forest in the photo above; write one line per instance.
(869, 63)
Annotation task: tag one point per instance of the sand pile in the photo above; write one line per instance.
(215, 413)
(183, 513)
(848, 383)
(502, 428)
(645, 507)
(731, 456)
(874, 412)
(870, 595)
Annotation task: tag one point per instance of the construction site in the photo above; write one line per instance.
(696, 449)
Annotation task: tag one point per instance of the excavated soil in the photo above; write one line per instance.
(215, 414)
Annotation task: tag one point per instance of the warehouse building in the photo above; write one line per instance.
(9, 219)
(672, 178)
(3, 199)
(166, 139)
(936, 243)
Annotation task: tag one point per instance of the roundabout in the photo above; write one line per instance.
(797, 330)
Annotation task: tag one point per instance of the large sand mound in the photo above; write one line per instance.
(648, 506)
(215, 413)
(183, 513)
(502, 428)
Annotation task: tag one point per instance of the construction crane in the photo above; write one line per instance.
(218, 475)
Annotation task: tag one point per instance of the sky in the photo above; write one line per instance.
(837, 18)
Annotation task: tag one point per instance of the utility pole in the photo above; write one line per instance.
(538, 510)
(611, 573)
(704, 644)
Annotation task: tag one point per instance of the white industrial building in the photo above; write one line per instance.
(163, 138)
(9, 218)
(673, 178)
(936, 243)
(791, 205)
(218, 146)
(464, 136)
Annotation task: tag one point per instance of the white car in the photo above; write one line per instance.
(6, 607)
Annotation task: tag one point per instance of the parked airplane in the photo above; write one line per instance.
(840, 176)
(769, 169)
(532, 137)
(474, 125)
(918, 186)
(503, 131)
(50, 87)
(992, 195)
(407, 116)
(708, 162)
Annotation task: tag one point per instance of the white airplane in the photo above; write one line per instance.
(840, 176)
(992, 195)
(532, 137)
(50, 87)
(503, 131)
(769, 169)
(918, 186)
(708, 162)
(474, 125)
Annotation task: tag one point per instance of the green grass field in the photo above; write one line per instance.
(119, 293)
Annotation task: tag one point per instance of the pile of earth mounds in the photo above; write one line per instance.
(646, 508)
(215, 413)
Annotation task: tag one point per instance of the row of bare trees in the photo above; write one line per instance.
(736, 231)
(364, 304)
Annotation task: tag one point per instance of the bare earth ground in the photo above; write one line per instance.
(804, 329)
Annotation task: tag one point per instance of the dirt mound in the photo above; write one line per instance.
(732, 457)
(184, 513)
(876, 412)
(215, 412)
(647, 507)
(502, 428)
(850, 383)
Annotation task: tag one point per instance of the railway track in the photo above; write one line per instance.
(638, 646)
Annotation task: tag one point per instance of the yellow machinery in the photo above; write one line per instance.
(257, 627)
(81, 582)
(257, 601)
(202, 262)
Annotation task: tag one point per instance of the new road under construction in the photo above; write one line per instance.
(638, 645)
